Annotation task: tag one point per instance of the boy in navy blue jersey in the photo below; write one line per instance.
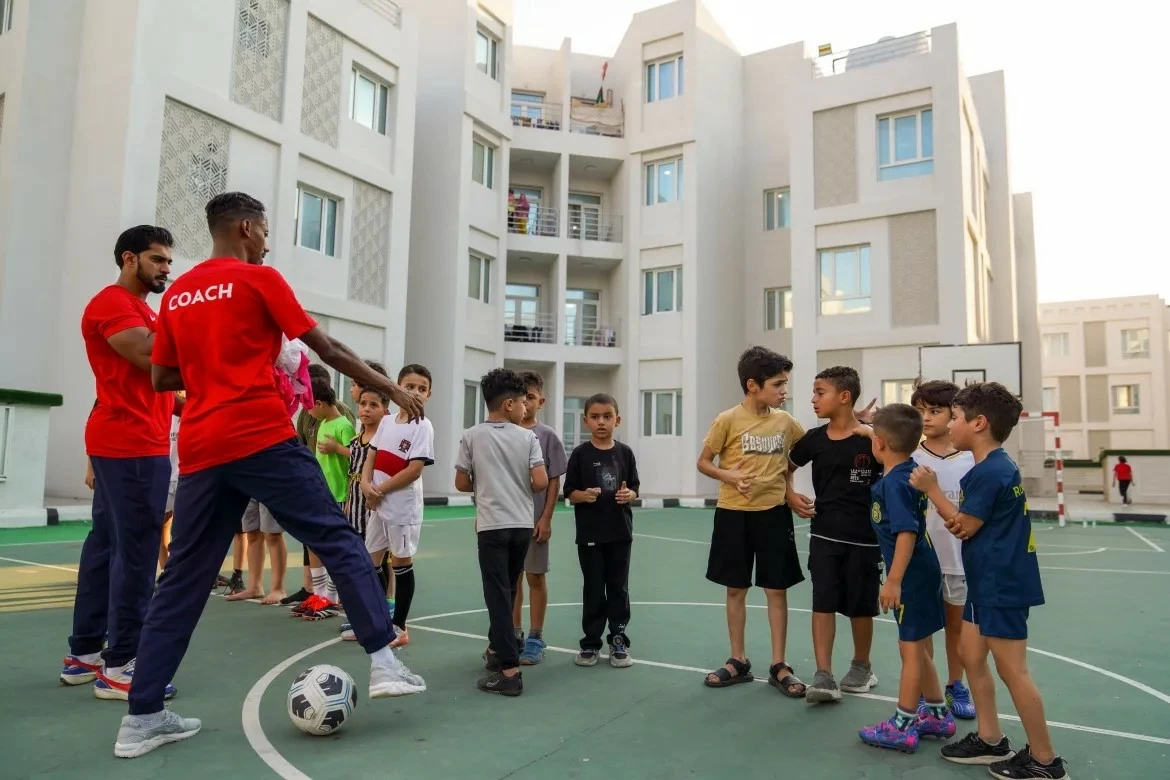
(1003, 580)
(913, 586)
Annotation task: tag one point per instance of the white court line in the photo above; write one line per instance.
(1144, 539)
(38, 544)
(1103, 571)
(42, 565)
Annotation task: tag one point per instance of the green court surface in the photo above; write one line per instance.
(1098, 653)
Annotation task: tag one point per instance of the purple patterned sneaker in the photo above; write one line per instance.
(887, 735)
(932, 726)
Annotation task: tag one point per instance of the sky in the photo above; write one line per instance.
(1082, 89)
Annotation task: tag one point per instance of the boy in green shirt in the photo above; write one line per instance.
(333, 457)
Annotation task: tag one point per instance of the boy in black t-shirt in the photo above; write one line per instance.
(601, 481)
(843, 554)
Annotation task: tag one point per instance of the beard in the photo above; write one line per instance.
(153, 284)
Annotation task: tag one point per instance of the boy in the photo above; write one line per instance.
(752, 522)
(999, 556)
(393, 489)
(501, 463)
(544, 504)
(913, 587)
(601, 482)
(933, 401)
(844, 559)
(334, 461)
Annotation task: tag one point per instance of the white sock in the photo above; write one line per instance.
(145, 721)
(89, 658)
(384, 657)
(330, 588)
(113, 671)
(320, 577)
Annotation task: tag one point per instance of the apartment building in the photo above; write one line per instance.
(118, 113)
(634, 235)
(1106, 371)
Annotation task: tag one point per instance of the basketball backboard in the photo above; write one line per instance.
(963, 363)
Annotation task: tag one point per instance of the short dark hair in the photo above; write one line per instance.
(385, 399)
(761, 364)
(377, 367)
(500, 384)
(900, 426)
(223, 210)
(415, 368)
(843, 379)
(323, 389)
(532, 379)
(140, 238)
(318, 370)
(936, 392)
(602, 399)
(993, 401)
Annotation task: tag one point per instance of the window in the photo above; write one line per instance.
(778, 308)
(664, 181)
(582, 321)
(368, 101)
(479, 277)
(664, 79)
(521, 304)
(1126, 399)
(1135, 343)
(1049, 400)
(6, 9)
(777, 209)
(483, 163)
(906, 144)
(527, 105)
(316, 223)
(662, 290)
(487, 53)
(474, 411)
(1055, 344)
(845, 282)
(897, 391)
(662, 413)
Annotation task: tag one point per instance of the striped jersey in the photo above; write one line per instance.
(355, 508)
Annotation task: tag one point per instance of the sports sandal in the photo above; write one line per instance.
(725, 679)
(788, 684)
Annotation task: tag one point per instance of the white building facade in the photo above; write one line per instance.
(154, 108)
(1106, 371)
(843, 209)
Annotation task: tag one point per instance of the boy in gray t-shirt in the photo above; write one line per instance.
(502, 465)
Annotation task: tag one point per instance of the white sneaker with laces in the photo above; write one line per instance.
(393, 679)
(141, 734)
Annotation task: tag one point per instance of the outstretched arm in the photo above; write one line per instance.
(337, 355)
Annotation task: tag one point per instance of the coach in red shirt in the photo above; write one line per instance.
(219, 332)
(127, 439)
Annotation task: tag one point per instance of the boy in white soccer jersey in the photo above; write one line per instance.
(933, 401)
(392, 485)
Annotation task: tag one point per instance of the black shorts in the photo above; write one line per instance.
(762, 538)
(846, 578)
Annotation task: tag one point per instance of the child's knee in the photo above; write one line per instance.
(774, 595)
(254, 537)
(535, 581)
(737, 594)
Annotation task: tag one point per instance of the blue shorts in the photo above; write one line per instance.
(998, 622)
(921, 613)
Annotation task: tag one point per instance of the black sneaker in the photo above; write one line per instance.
(1024, 764)
(971, 749)
(500, 683)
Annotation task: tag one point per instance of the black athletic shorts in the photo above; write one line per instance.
(762, 538)
(846, 578)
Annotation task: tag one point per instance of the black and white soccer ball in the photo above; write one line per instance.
(321, 699)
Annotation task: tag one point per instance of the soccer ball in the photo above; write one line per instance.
(321, 699)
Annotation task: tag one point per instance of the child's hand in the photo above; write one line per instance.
(964, 526)
(867, 414)
(923, 478)
(625, 495)
(329, 446)
(863, 430)
(801, 504)
(543, 530)
(593, 493)
(891, 595)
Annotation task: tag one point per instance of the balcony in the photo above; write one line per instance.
(589, 225)
(835, 63)
(585, 330)
(388, 8)
(530, 328)
(535, 221)
(589, 117)
(538, 115)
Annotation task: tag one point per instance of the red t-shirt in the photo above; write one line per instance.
(1123, 472)
(130, 419)
(220, 324)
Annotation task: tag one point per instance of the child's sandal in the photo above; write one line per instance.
(788, 685)
(725, 679)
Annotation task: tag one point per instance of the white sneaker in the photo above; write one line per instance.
(393, 679)
(138, 736)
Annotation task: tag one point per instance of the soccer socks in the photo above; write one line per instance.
(903, 719)
(938, 709)
(403, 593)
(383, 576)
(320, 578)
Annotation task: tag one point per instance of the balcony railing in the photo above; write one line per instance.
(589, 331)
(539, 328)
(537, 221)
(882, 51)
(388, 8)
(594, 225)
(543, 116)
(588, 116)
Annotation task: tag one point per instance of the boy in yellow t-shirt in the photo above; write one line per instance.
(753, 524)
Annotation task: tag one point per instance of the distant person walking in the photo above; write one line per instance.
(1123, 478)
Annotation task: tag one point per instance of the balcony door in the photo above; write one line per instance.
(529, 224)
(582, 317)
(573, 420)
(585, 216)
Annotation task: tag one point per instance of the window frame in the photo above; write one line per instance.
(1049, 393)
(491, 68)
(479, 413)
(895, 390)
(777, 208)
(1126, 352)
(381, 108)
(922, 163)
(864, 253)
(484, 276)
(1045, 341)
(7, 11)
(652, 74)
(650, 417)
(518, 313)
(778, 308)
(487, 171)
(328, 222)
(651, 172)
(650, 300)
(1135, 399)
